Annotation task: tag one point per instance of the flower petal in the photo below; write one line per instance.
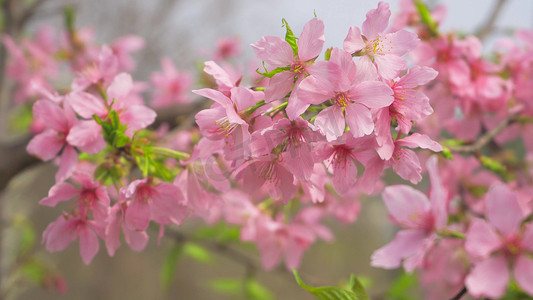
(311, 40)
(503, 210)
(481, 239)
(489, 278)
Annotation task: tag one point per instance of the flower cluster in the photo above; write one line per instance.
(303, 138)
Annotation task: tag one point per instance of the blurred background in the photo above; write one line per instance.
(187, 31)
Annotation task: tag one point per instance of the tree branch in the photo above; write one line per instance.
(459, 295)
(486, 138)
(486, 29)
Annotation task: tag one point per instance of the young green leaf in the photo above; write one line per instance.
(168, 270)
(290, 38)
(329, 292)
(197, 252)
(256, 291)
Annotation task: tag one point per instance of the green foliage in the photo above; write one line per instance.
(327, 54)
(168, 270)
(357, 291)
(495, 166)
(404, 287)
(21, 118)
(221, 232)
(230, 286)
(515, 293)
(290, 38)
(273, 72)
(426, 18)
(256, 291)
(197, 252)
(27, 234)
(251, 288)
(447, 153)
(113, 130)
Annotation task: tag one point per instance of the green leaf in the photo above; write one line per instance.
(426, 18)
(168, 270)
(495, 166)
(256, 291)
(403, 288)
(27, 233)
(447, 153)
(328, 292)
(70, 18)
(273, 72)
(34, 271)
(227, 285)
(358, 288)
(327, 54)
(290, 38)
(197, 252)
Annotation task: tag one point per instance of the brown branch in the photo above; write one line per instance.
(486, 29)
(486, 138)
(460, 294)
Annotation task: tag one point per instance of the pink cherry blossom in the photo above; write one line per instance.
(68, 228)
(345, 84)
(47, 144)
(419, 217)
(500, 243)
(385, 49)
(171, 86)
(162, 203)
(277, 53)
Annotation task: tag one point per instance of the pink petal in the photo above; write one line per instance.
(489, 278)
(359, 120)
(220, 75)
(481, 239)
(50, 114)
(88, 244)
(345, 79)
(274, 51)
(318, 87)
(527, 238)
(407, 206)
(45, 145)
(331, 122)
(383, 134)
(389, 65)
(353, 41)
(138, 117)
(167, 205)
(120, 88)
(60, 192)
(67, 163)
(503, 210)
(366, 70)
(137, 240)
(311, 40)
(87, 136)
(523, 273)
(376, 21)
(406, 164)
(372, 94)
(214, 95)
(59, 234)
(417, 76)
(137, 215)
(112, 231)
(295, 107)
(279, 86)
(344, 175)
(438, 195)
(87, 105)
(404, 244)
(419, 140)
(402, 42)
